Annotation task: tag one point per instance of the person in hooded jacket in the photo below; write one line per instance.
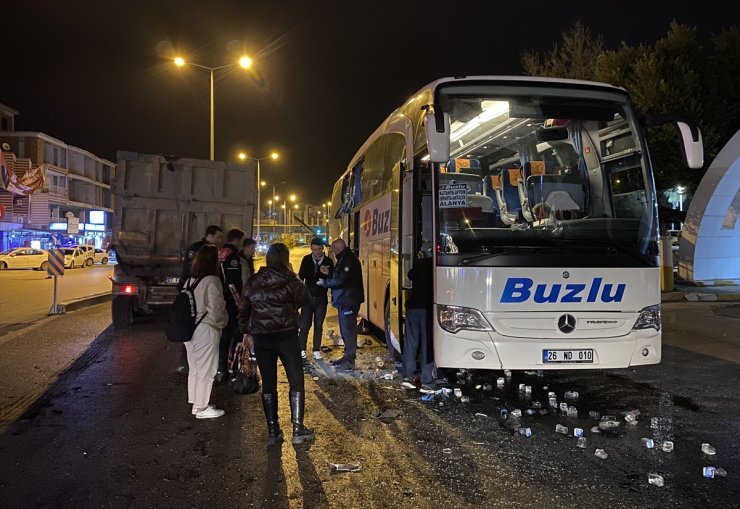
(270, 319)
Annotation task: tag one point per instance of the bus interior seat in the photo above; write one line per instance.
(490, 184)
(508, 197)
(531, 170)
(464, 165)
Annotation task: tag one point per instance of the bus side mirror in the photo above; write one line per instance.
(692, 145)
(693, 148)
(438, 136)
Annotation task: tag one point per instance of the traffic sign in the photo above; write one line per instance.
(55, 262)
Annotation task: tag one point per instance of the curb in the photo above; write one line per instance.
(73, 305)
(699, 297)
(87, 301)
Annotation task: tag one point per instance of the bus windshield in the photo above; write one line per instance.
(544, 173)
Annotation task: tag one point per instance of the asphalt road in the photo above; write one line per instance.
(113, 429)
(26, 295)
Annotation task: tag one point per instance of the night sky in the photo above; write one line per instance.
(99, 74)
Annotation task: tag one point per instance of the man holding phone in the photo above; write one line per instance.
(314, 266)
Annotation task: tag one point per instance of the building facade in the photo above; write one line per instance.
(76, 186)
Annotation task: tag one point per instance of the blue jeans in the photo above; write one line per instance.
(418, 343)
(348, 329)
(314, 311)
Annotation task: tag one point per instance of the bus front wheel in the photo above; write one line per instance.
(395, 354)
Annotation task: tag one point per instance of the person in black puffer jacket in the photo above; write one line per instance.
(270, 318)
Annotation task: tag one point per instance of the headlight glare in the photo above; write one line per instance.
(457, 318)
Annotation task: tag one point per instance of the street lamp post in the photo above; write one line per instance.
(245, 62)
(285, 220)
(275, 199)
(245, 157)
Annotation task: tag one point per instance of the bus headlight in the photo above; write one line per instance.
(456, 318)
(649, 318)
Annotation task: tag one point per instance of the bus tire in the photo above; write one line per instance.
(395, 354)
(122, 311)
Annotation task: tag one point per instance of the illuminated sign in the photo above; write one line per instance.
(96, 217)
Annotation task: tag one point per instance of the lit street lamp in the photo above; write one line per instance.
(244, 157)
(680, 190)
(245, 62)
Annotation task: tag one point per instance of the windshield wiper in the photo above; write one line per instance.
(619, 247)
(486, 256)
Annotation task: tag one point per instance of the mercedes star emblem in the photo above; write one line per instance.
(567, 324)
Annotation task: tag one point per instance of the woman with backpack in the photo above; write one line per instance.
(211, 317)
(270, 319)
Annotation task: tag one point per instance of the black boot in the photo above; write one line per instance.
(270, 406)
(301, 433)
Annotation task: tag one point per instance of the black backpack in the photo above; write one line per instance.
(181, 323)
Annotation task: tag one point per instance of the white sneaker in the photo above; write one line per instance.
(303, 354)
(209, 406)
(317, 355)
(209, 413)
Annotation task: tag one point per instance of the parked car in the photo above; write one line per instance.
(24, 258)
(101, 256)
(89, 253)
(75, 257)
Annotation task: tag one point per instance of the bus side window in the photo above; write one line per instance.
(355, 185)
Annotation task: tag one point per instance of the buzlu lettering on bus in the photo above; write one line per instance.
(519, 289)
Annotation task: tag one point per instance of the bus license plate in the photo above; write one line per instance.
(568, 356)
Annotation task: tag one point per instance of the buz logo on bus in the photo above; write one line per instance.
(376, 222)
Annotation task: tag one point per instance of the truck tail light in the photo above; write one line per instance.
(125, 289)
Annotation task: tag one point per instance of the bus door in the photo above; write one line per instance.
(403, 217)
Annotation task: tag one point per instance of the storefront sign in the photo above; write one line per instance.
(73, 225)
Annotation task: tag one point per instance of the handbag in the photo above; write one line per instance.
(243, 376)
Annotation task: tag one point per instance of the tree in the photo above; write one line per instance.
(678, 75)
(575, 59)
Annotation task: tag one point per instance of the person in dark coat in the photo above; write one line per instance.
(269, 321)
(214, 235)
(418, 338)
(231, 276)
(314, 311)
(347, 293)
(247, 258)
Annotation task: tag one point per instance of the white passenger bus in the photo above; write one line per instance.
(536, 199)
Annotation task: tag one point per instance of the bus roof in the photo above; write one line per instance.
(429, 90)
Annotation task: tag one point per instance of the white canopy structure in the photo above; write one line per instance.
(709, 250)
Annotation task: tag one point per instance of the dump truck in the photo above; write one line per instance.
(162, 204)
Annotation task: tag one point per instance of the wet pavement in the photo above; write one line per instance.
(26, 295)
(113, 429)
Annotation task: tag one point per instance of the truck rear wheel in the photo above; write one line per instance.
(122, 311)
